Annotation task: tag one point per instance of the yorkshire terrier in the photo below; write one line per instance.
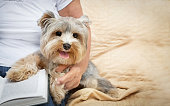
(63, 41)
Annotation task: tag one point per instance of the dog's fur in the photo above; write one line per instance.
(63, 41)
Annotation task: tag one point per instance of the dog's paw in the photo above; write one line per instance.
(21, 73)
(57, 94)
(57, 91)
(58, 100)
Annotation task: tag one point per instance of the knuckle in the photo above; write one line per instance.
(77, 85)
(67, 85)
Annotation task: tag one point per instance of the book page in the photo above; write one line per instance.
(24, 102)
(43, 85)
(23, 89)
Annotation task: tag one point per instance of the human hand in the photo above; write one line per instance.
(61, 68)
(72, 78)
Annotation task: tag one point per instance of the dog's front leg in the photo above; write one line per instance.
(57, 91)
(25, 67)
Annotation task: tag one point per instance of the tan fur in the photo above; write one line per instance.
(24, 68)
(52, 52)
(42, 20)
(57, 92)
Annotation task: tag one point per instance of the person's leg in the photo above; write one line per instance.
(64, 102)
(3, 71)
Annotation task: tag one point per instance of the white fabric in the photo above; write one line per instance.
(19, 32)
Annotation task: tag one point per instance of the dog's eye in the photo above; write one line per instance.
(75, 35)
(58, 33)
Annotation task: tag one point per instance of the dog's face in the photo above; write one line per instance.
(63, 40)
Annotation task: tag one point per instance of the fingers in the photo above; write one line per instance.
(70, 79)
(67, 77)
(60, 68)
(72, 84)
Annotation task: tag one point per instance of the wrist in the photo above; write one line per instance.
(81, 67)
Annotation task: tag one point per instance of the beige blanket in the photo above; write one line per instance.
(131, 48)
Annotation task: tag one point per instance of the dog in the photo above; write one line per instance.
(63, 41)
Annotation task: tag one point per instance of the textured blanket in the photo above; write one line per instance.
(131, 48)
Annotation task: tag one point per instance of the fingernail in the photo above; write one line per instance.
(58, 82)
(65, 88)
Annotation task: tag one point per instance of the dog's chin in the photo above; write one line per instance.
(62, 57)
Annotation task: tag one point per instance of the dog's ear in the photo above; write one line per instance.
(45, 19)
(85, 20)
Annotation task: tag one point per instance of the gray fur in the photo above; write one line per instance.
(51, 51)
(90, 72)
(66, 25)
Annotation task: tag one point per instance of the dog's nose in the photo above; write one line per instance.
(66, 46)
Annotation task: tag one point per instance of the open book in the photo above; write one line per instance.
(28, 92)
